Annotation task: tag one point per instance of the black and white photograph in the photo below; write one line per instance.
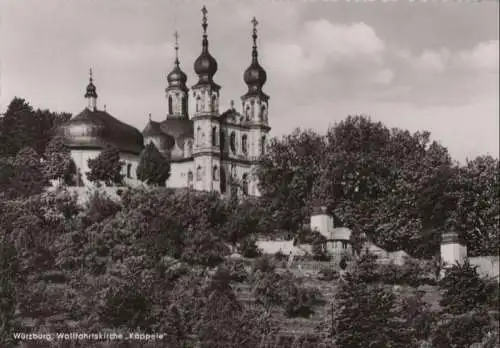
(249, 174)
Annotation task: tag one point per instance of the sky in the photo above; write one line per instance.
(409, 64)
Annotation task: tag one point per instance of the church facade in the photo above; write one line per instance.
(209, 149)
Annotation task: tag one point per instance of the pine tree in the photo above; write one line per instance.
(368, 317)
(153, 168)
(463, 289)
(106, 167)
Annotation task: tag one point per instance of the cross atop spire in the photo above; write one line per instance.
(204, 20)
(254, 37)
(90, 75)
(176, 35)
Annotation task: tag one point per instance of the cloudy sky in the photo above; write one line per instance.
(416, 65)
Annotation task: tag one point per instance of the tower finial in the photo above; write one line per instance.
(149, 116)
(204, 24)
(90, 75)
(176, 35)
(254, 37)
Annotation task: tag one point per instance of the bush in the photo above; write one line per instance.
(328, 274)
(99, 206)
(248, 248)
(463, 289)
(279, 256)
(462, 331)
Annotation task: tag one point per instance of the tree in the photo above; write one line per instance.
(286, 174)
(463, 289)
(106, 167)
(388, 183)
(153, 168)
(22, 126)
(475, 188)
(58, 162)
(22, 176)
(368, 317)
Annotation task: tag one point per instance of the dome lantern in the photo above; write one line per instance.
(255, 76)
(177, 78)
(205, 65)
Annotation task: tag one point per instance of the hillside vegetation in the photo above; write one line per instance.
(158, 260)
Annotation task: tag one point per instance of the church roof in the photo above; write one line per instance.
(98, 129)
(178, 127)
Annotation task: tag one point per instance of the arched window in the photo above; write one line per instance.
(198, 135)
(170, 105)
(222, 180)
(263, 144)
(129, 170)
(263, 110)
(214, 103)
(244, 143)
(252, 110)
(215, 173)
(214, 136)
(190, 179)
(244, 184)
(198, 104)
(188, 150)
(247, 113)
(222, 140)
(232, 142)
(199, 173)
(184, 105)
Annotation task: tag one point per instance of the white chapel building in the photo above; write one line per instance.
(208, 148)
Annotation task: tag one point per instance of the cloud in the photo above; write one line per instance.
(133, 53)
(484, 56)
(323, 44)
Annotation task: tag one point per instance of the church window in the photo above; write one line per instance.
(129, 170)
(198, 135)
(170, 106)
(232, 142)
(199, 174)
(189, 148)
(222, 180)
(190, 179)
(263, 144)
(214, 136)
(244, 184)
(263, 111)
(247, 112)
(244, 143)
(252, 110)
(184, 105)
(222, 140)
(215, 173)
(198, 104)
(214, 103)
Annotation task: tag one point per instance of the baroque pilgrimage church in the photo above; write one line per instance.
(207, 149)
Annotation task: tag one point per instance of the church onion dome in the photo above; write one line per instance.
(255, 76)
(205, 66)
(96, 129)
(177, 78)
(91, 90)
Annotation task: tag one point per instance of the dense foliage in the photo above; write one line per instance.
(153, 168)
(106, 167)
(399, 188)
(158, 260)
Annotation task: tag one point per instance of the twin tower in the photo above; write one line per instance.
(206, 91)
